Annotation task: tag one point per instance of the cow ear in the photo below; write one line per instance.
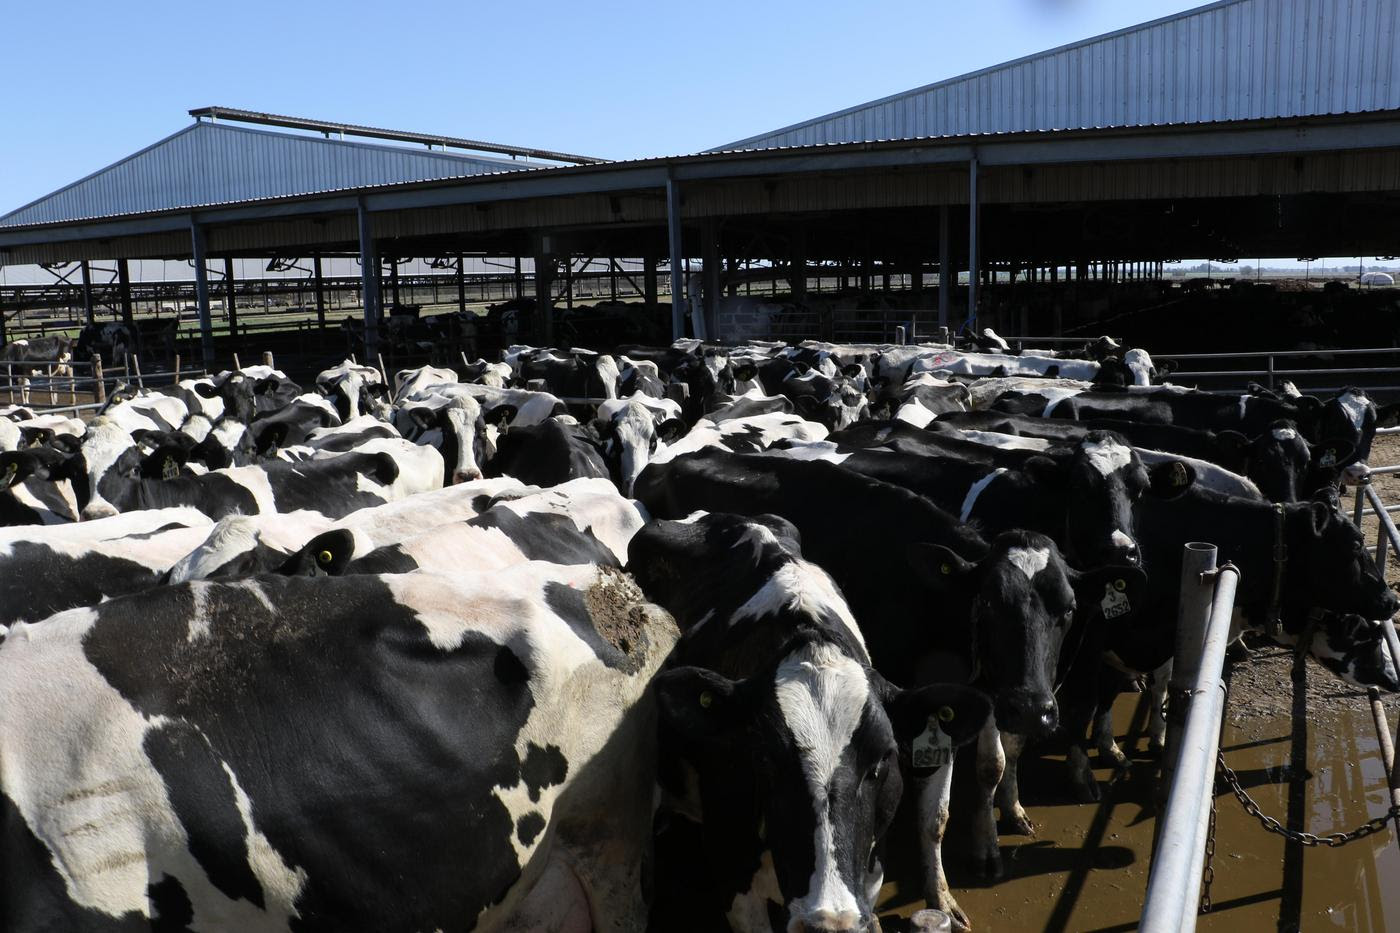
(806, 405)
(700, 706)
(1320, 513)
(206, 390)
(1043, 469)
(1333, 453)
(671, 430)
(383, 469)
(959, 712)
(501, 416)
(164, 462)
(745, 371)
(852, 370)
(422, 417)
(939, 567)
(327, 554)
(1115, 592)
(266, 384)
(1233, 447)
(1387, 416)
(801, 368)
(1170, 478)
(15, 467)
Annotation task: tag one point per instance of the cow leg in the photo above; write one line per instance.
(1111, 684)
(1008, 794)
(557, 903)
(1157, 694)
(933, 820)
(991, 764)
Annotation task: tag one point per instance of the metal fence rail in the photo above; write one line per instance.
(1177, 862)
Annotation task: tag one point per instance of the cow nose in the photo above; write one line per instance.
(1047, 716)
(465, 476)
(95, 510)
(827, 921)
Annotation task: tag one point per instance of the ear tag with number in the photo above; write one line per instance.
(1329, 458)
(933, 748)
(1115, 602)
(169, 469)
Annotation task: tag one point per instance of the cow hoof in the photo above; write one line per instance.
(1155, 746)
(943, 900)
(988, 868)
(1237, 653)
(1018, 824)
(1113, 755)
(1087, 791)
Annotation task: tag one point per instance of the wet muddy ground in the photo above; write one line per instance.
(1086, 869)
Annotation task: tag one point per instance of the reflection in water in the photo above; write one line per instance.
(1086, 869)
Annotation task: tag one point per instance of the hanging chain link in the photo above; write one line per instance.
(1208, 875)
(1334, 840)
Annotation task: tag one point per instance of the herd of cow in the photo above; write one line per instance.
(466, 650)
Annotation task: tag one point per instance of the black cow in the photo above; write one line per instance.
(547, 454)
(795, 743)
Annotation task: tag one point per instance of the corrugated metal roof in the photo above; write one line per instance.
(214, 163)
(1232, 60)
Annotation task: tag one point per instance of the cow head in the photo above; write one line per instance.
(461, 437)
(631, 432)
(1025, 600)
(1349, 418)
(1329, 565)
(1287, 468)
(107, 459)
(1354, 648)
(1106, 479)
(799, 756)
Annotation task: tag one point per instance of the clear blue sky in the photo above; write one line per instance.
(89, 83)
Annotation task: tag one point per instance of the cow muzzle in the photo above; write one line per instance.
(1031, 715)
(829, 921)
(465, 476)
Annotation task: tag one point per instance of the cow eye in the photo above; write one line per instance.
(876, 772)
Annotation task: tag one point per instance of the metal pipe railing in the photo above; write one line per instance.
(1175, 878)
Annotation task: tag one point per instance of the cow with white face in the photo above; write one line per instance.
(793, 742)
(350, 386)
(633, 430)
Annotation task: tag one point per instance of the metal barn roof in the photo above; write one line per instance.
(214, 163)
(1232, 60)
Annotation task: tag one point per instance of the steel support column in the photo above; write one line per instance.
(201, 292)
(677, 246)
(709, 257)
(394, 283)
(320, 292)
(945, 264)
(369, 283)
(3, 341)
(544, 286)
(797, 268)
(519, 280)
(87, 291)
(649, 284)
(462, 283)
(124, 292)
(228, 296)
(973, 256)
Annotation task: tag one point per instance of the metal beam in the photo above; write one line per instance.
(706, 326)
(124, 292)
(673, 230)
(544, 288)
(945, 264)
(374, 132)
(87, 291)
(369, 284)
(320, 291)
(462, 283)
(972, 237)
(649, 284)
(228, 296)
(201, 292)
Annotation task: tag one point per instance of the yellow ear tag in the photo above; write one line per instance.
(324, 557)
(1120, 585)
(10, 474)
(707, 699)
(947, 569)
(945, 714)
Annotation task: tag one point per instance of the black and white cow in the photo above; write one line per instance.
(44, 575)
(493, 731)
(794, 742)
(34, 488)
(107, 478)
(352, 388)
(632, 430)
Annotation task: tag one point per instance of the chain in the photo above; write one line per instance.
(1376, 825)
(1208, 876)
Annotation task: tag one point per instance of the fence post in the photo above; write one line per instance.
(177, 369)
(135, 360)
(1361, 485)
(267, 359)
(236, 365)
(1270, 364)
(99, 390)
(1192, 609)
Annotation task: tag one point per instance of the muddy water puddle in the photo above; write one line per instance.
(1086, 868)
